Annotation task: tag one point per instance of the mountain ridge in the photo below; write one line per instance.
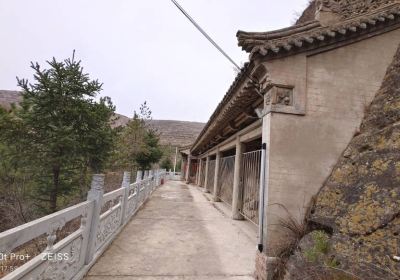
(176, 133)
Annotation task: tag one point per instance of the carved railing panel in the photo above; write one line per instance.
(101, 218)
(69, 253)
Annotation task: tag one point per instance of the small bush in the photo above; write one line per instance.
(320, 248)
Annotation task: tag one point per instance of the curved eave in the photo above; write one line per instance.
(321, 36)
(248, 40)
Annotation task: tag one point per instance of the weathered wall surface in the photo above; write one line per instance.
(339, 85)
(359, 203)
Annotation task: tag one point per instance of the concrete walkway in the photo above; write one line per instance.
(180, 234)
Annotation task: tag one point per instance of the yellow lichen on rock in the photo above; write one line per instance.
(380, 166)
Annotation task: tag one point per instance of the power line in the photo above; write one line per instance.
(206, 35)
(258, 89)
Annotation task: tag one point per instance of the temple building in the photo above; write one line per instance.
(301, 98)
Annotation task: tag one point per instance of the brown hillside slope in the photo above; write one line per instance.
(8, 97)
(359, 205)
(176, 133)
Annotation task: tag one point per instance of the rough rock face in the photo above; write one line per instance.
(308, 14)
(358, 208)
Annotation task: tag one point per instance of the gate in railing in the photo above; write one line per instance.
(203, 173)
(250, 185)
(72, 256)
(210, 175)
(226, 171)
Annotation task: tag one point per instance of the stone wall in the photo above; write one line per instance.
(337, 85)
(358, 206)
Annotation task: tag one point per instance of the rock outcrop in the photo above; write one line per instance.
(355, 221)
(308, 14)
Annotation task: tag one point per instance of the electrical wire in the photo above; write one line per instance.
(198, 27)
(205, 34)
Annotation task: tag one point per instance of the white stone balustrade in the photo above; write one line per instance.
(81, 248)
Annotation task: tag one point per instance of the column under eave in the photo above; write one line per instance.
(216, 177)
(236, 193)
(188, 169)
(206, 174)
(200, 172)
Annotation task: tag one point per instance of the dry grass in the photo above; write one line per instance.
(294, 230)
(35, 247)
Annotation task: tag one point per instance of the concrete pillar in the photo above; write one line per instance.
(199, 173)
(266, 128)
(206, 175)
(216, 177)
(237, 192)
(188, 169)
(196, 173)
(183, 175)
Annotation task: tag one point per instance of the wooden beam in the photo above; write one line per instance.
(232, 126)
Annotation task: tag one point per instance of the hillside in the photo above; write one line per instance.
(7, 97)
(176, 133)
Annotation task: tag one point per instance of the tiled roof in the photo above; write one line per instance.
(358, 18)
(312, 34)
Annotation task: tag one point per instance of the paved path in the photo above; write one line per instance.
(179, 234)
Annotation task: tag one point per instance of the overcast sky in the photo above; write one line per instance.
(140, 50)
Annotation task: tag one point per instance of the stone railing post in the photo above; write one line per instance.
(153, 180)
(95, 194)
(150, 182)
(137, 187)
(138, 176)
(146, 183)
(157, 177)
(125, 184)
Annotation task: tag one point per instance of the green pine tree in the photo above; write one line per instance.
(60, 129)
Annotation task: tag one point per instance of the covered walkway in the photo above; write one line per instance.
(180, 234)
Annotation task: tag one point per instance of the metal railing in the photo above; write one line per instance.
(210, 175)
(250, 185)
(225, 185)
(80, 249)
